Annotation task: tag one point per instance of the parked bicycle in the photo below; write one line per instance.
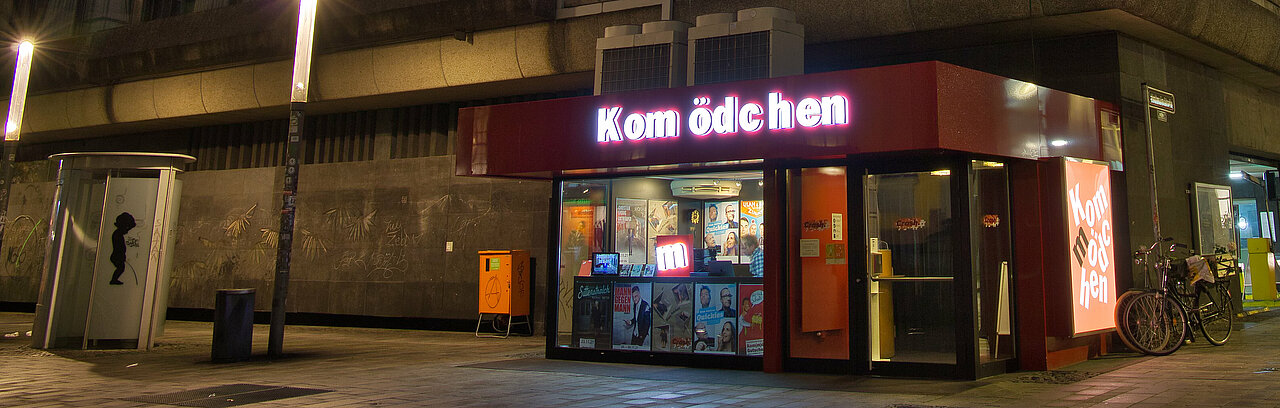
(1193, 294)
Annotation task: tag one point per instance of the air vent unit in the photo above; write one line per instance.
(763, 42)
(705, 189)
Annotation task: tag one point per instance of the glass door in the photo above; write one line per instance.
(910, 261)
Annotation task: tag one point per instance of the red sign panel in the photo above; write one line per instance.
(920, 106)
(1090, 246)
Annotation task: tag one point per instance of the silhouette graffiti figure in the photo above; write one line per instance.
(124, 223)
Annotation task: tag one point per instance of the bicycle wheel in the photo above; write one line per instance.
(1213, 309)
(1157, 324)
(1121, 330)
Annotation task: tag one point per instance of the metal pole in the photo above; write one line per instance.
(297, 118)
(1151, 160)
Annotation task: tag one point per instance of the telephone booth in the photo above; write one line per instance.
(107, 263)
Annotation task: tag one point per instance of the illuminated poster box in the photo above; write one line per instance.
(1090, 246)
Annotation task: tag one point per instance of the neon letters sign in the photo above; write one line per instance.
(731, 115)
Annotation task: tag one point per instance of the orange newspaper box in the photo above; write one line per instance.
(504, 288)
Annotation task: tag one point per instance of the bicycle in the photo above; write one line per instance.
(1159, 321)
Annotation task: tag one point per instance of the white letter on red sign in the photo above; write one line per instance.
(607, 125)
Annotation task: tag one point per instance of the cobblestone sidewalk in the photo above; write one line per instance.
(373, 367)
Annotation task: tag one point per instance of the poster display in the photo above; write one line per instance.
(632, 315)
(673, 317)
(592, 310)
(120, 277)
(664, 219)
(751, 320)
(722, 228)
(577, 242)
(716, 319)
(630, 222)
(1090, 246)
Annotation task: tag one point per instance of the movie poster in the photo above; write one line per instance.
(632, 315)
(673, 317)
(664, 219)
(630, 240)
(592, 307)
(750, 223)
(715, 321)
(751, 320)
(722, 229)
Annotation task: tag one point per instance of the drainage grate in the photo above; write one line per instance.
(1053, 377)
(229, 395)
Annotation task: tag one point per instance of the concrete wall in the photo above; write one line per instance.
(370, 236)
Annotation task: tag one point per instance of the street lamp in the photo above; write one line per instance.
(297, 117)
(13, 126)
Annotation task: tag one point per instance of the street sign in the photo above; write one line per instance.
(1160, 100)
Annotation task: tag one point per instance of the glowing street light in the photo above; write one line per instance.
(18, 99)
(297, 118)
(13, 126)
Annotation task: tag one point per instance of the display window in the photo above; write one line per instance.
(663, 263)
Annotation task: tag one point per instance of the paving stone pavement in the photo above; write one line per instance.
(379, 367)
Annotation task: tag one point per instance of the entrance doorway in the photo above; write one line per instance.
(900, 268)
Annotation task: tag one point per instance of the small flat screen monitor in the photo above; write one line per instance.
(604, 263)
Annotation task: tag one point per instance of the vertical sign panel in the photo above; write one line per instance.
(1090, 246)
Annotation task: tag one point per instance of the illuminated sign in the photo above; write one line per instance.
(1090, 246)
(725, 116)
(673, 255)
(1160, 100)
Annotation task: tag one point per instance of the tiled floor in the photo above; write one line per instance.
(367, 367)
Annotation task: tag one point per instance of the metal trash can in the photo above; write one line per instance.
(233, 325)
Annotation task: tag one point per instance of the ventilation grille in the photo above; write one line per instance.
(238, 146)
(730, 58)
(635, 68)
(421, 131)
(342, 137)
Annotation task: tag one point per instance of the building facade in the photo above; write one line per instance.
(387, 230)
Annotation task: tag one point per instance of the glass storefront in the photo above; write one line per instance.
(664, 263)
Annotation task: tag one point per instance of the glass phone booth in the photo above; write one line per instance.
(107, 263)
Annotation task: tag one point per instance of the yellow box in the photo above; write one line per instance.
(504, 282)
(1258, 245)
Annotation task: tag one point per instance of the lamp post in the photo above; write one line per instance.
(13, 126)
(297, 118)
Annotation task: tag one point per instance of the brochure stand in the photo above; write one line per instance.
(107, 263)
(504, 290)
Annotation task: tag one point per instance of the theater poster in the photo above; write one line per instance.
(592, 310)
(664, 219)
(722, 228)
(750, 223)
(632, 316)
(629, 237)
(673, 317)
(751, 320)
(715, 322)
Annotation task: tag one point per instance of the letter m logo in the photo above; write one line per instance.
(673, 256)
